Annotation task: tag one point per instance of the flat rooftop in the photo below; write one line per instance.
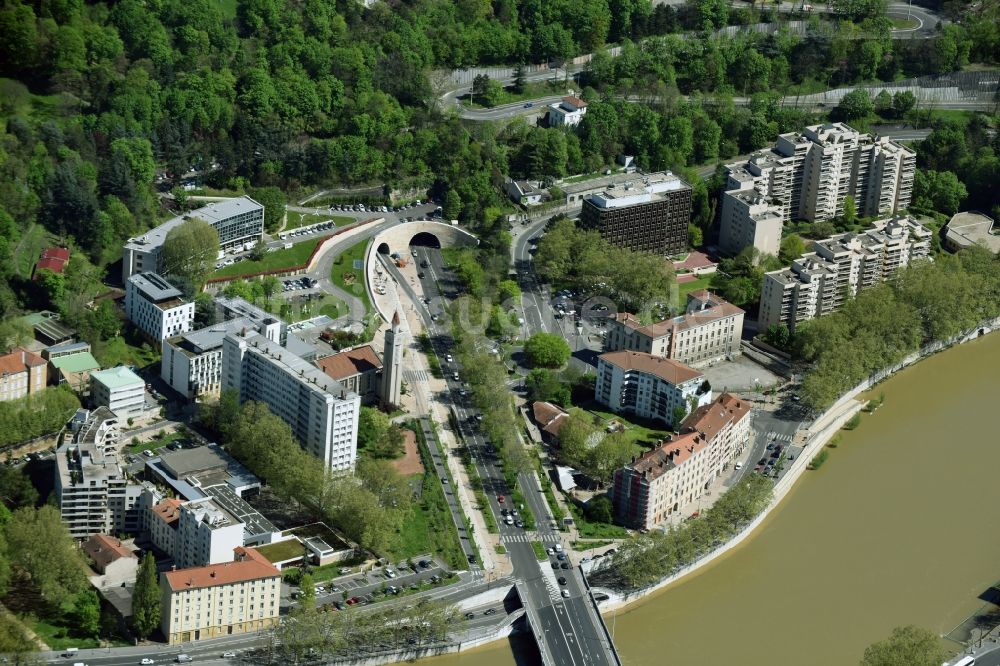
(640, 189)
(154, 287)
(208, 338)
(304, 372)
(212, 213)
(971, 228)
(118, 378)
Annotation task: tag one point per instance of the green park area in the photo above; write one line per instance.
(272, 261)
(639, 432)
(348, 272)
(685, 288)
(297, 308)
(156, 443)
(281, 551)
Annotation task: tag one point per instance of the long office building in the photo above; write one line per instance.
(820, 281)
(708, 331)
(239, 221)
(322, 413)
(808, 175)
(192, 362)
(649, 213)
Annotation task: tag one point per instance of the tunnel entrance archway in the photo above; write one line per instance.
(383, 248)
(426, 239)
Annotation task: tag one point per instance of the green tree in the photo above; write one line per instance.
(850, 214)
(792, 247)
(40, 545)
(270, 285)
(146, 598)
(677, 415)
(854, 105)
(546, 350)
(16, 489)
(189, 251)
(906, 646)
(508, 290)
(273, 200)
(903, 102)
(86, 613)
(545, 385)
(938, 190)
(307, 592)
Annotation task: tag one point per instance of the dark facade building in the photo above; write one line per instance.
(650, 214)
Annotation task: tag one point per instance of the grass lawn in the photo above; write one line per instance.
(589, 530)
(587, 545)
(685, 288)
(58, 637)
(350, 279)
(639, 432)
(281, 551)
(296, 220)
(28, 249)
(900, 23)
(124, 350)
(328, 305)
(272, 261)
(539, 549)
(156, 444)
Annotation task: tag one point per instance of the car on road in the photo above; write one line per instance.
(550, 551)
(555, 565)
(424, 564)
(455, 376)
(490, 611)
(469, 616)
(472, 559)
(146, 661)
(183, 659)
(564, 565)
(561, 556)
(565, 594)
(528, 105)
(500, 499)
(562, 580)
(421, 275)
(228, 654)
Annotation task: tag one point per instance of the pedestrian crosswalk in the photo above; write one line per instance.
(775, 437)
(414, 376)
(528, 537)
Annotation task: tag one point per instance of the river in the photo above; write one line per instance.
(898, 527)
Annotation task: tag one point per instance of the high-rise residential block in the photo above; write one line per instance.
(651, 387)
(820, 281)
(322, 413)
(809, 175)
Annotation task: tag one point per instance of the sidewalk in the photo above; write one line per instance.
(420, 399)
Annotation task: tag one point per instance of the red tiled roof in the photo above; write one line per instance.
(548, 416)
(668, 455)
(717, 308)
(104, 550)
(666, 369)
(349, 363)
(54, 259)
(710, 419)
(19, 360)
(575, 101)
(59, 253)
(249, 565)
(169, 510)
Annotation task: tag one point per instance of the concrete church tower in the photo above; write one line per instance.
(392, 364)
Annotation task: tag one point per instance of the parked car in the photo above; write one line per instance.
(562, 580)
(228, 654)
(490, 611)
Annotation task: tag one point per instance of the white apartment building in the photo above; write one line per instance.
(808, 175)
(708, 331)
(568, 112)
(119, 389)
(192, 362)
(156, 307)
(819, 282)
(206, 534)
(648, 386)
(748, 219)
(21, 373)
(322, 413)
(91, 488)
(235, 597)
(239, 221)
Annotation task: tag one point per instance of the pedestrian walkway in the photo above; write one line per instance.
(414, 376)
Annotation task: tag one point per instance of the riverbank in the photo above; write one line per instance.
(822, 430)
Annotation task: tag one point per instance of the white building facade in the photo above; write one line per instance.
(191, 363)
(322, 413)
(819, 282)
(648, 386)
(156, 307)
(120, 390)
(239, 221)
(809, 175)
